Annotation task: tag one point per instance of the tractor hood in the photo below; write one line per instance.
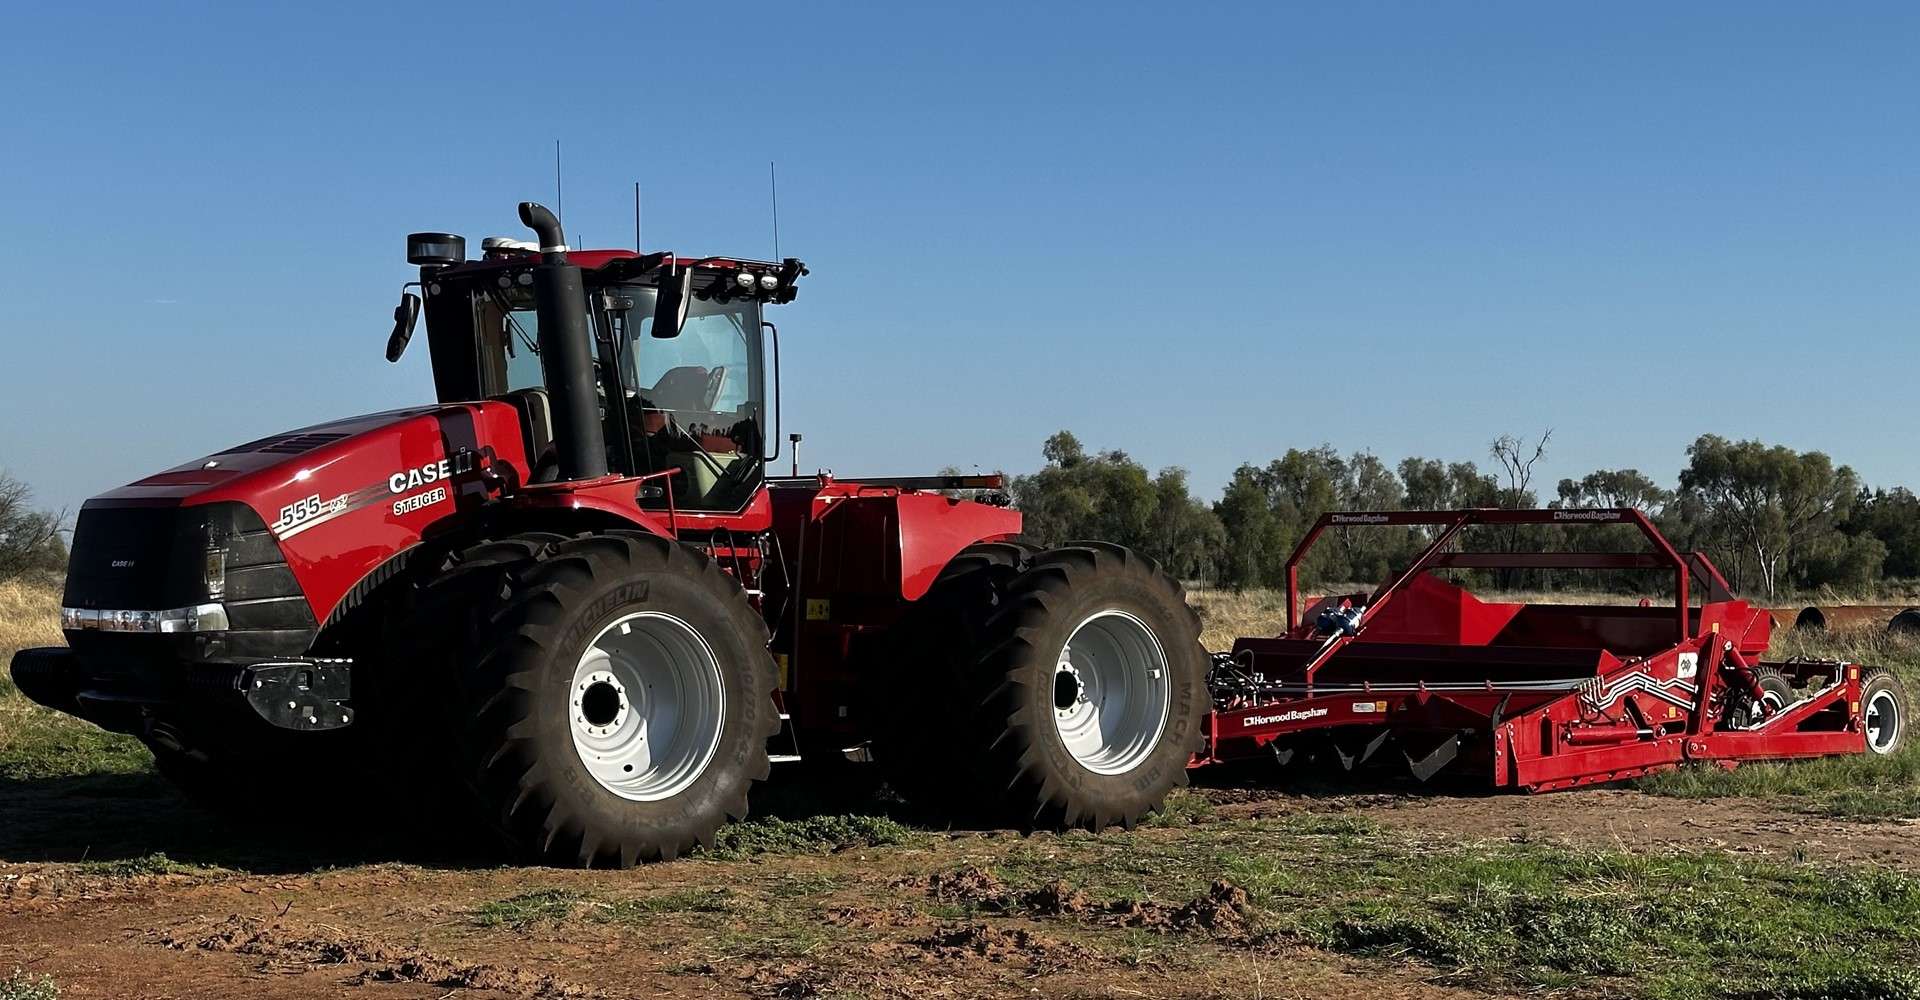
(275, 457)
(335, 501)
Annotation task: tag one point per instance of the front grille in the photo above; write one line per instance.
(155, 558)
(121, 558)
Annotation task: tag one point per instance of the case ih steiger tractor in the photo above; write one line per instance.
(571, 588)
(570, 593)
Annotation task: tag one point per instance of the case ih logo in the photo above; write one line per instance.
(433, 472)
(1357, 519)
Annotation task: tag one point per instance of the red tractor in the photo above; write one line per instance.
(571, 590)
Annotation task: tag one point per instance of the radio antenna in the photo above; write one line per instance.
(636, 216)
(559, 196)
(773, 186)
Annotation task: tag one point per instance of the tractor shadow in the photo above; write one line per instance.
(800, 791)
(1326, 781)
(142, 821)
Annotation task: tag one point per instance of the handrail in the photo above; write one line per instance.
(1664, 553)
(673, 513)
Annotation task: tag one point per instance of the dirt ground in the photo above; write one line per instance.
(294, 913)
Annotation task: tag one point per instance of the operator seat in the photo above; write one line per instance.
(682, 388)
(536, 432)
(685, 391)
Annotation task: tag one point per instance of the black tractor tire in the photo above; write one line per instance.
(924, 663)
(1021, 766)
(510, 620)
(1883, 700)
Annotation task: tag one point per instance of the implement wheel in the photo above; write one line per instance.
(1883, 701)
(1776, 693)
(610, 695)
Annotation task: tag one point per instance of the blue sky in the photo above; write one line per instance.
(1203, 233)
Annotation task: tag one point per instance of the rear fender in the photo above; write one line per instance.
(934, 529)
(887, 546)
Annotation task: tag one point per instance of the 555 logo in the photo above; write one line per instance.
(305, 512)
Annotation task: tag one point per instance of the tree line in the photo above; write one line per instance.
(1771, 518)
(30, 539)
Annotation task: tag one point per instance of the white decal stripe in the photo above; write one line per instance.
(1638, 682)
(348, 503)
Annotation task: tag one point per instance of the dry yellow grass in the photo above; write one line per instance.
(29, 616)
(1226, 615)
(36, 743)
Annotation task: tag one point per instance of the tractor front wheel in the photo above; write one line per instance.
(612, 695)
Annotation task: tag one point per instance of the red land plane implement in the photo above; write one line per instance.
(1535, 696)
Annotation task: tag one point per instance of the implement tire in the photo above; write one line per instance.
(1093, 687)
(1883, 701)
(609, 696)
(1777, 690)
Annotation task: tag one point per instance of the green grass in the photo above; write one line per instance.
(1687, 925)
(36, 744)
(638, 910)
(547, 906)
(1182, 808)
(1526, 916)
(21, 986)
(147, 864)
(813, 835)
(529, 908)
(1855, 786)
(732, 923)
(1852, 787)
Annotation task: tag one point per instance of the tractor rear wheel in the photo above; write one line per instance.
(610, 695)
(1091, 686)
(932, 654)
(1883, 700)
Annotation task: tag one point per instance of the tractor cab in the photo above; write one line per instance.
(677, 358)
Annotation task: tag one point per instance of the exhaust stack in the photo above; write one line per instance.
(561, 302)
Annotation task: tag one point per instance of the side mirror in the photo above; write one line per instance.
(405, 315)
(670, 309)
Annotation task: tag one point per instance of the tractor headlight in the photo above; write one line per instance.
(768, 282)
(744, 280)
(197, 618)
(214, 572)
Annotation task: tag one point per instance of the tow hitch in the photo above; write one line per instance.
(301, 695)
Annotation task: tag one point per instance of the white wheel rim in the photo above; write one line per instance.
(1111, 693)
(1883, 722)
(646, 706)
